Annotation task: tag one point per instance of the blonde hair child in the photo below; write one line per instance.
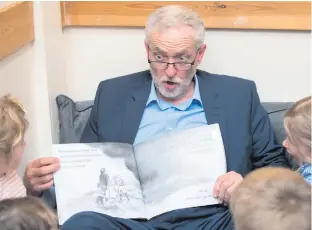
(297, 123)
(13, 125)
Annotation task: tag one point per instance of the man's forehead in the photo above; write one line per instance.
(172, 47)
(182, 38)
(173, 51)
(173, 37)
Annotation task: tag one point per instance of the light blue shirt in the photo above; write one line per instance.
(161, 117)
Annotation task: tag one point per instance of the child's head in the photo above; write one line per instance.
(297, 124)
(27, 213)
(13, 125)
(272, 199)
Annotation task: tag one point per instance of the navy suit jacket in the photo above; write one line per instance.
(232, 102)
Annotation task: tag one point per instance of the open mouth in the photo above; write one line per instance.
(170, 83)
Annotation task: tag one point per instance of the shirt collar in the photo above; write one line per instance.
(165, 105)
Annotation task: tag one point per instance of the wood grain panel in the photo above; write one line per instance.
(16, 27)
(217, 15)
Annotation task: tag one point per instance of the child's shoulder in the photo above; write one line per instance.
(11, 186)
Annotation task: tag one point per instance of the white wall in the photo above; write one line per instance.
(49, 58)
(279, 62)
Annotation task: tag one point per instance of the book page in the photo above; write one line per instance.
(180, 169)
(97, 177)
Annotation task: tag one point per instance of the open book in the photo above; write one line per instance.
(175, 171)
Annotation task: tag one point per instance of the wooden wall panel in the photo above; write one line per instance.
(219, 15)
(16, 27)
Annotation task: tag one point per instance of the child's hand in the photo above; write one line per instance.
(39, 174)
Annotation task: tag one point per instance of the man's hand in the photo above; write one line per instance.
(225, 186)
(39, 174)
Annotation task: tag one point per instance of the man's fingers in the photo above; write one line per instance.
(45, 170)
(224, 189)
(43, 187)
(223, 184)
(39, 184)
(44, 161)
(228, 193)
(43, 180)
(39, 174)
(217, 186)
(231, 189)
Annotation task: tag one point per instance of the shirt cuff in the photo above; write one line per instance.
(48, 196)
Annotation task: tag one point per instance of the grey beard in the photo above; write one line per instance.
(180, 90)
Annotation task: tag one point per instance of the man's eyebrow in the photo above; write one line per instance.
(180, 53)
(183, 52)
(157, 49)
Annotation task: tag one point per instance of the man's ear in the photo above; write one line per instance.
(146, 48)
(201, 53)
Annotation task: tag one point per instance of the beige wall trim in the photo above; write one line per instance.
(16, 27)
(271, 15)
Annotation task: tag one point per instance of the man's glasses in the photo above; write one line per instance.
(180, 66)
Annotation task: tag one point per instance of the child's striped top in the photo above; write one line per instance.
(11, 186)
(306, 172)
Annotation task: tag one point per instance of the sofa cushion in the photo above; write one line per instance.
(276, 111)
(72, 118)
(74, 115)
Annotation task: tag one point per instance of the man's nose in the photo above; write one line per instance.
(171, 70)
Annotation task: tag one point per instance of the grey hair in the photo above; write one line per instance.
(174, 16)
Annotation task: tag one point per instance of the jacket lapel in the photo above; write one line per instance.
(134, 108)
(212, 103)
